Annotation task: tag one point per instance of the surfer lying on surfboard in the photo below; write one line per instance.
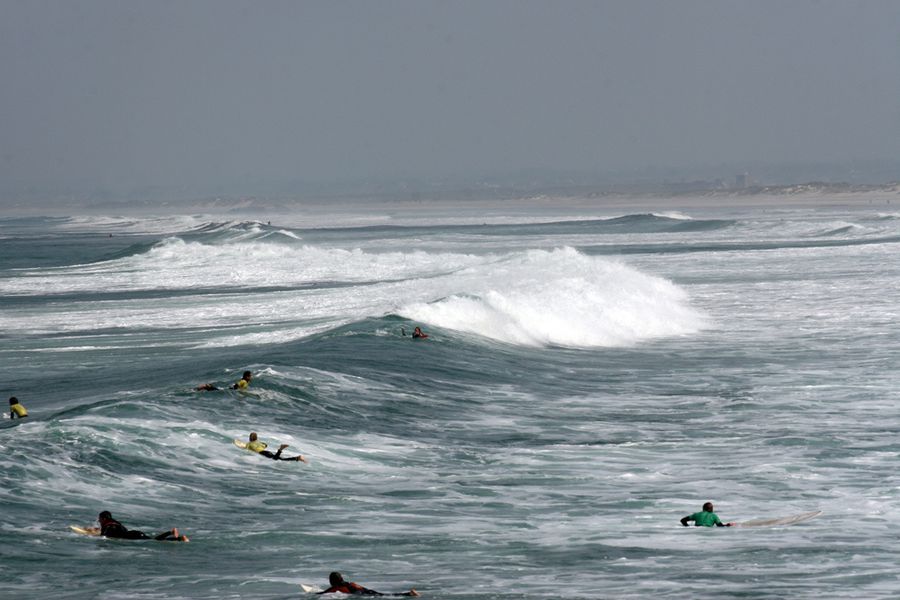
(111, 528)
(705, 518)
(242, 384)
(339, 586)
(254, 445)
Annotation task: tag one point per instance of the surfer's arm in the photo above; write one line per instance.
(685, 520)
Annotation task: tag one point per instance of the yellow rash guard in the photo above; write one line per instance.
(257, 446)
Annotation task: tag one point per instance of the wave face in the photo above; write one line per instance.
(589, 379)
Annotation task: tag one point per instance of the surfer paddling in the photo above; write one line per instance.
(16, 410)
(705, 518)
(111, 528)
(241, 384)
(340, 586)
(254, 445)
(417, 333)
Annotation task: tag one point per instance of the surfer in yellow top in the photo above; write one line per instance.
(16, 410)
(705, 518)
(242, 384)
(254, 445)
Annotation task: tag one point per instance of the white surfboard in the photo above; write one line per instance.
(780, 521)
(310, 589)
(85, 530)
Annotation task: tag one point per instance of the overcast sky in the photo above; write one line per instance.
(128, 93)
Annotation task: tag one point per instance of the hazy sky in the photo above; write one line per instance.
(128, 93)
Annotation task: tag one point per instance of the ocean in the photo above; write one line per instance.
(593, 373)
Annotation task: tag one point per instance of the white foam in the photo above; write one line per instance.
(673, 214)
(176, 264)
(131, 225)
(564, 298)
(534, 297)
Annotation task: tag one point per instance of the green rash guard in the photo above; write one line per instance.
(705, 519)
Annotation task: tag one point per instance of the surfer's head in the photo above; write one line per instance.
(247, 375)
(335, 578)
(13, 400)
(708, 507)
(252, 436)
(105, 516)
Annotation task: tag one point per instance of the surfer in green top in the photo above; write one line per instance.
(254, 445)
(242, 384)
(16, 410)
(705, 518)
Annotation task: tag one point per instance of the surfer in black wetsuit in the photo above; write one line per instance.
(417, 333)
(111, 528)
(339, 586)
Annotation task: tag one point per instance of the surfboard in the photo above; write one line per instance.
(85, 530)
(310, 589)
(95, 532)
(240, 444)
(780, 521)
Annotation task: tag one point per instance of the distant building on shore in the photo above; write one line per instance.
(741, 181)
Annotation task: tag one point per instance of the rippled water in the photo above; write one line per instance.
(589, 380)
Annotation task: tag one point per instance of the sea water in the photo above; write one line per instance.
(591, 377)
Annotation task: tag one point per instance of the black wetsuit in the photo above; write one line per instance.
(276, 455)
(113, 529)
(349, 587)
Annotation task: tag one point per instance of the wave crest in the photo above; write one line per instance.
(564, 298)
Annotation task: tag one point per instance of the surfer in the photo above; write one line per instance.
(705, 518)
(254, 445)
(416, 334)
(339, 586)
(16, 410)
(241, 384)
(111, 528)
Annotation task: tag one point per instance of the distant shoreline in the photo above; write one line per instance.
(560, 198)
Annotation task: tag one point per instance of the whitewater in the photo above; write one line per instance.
(593, 373)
